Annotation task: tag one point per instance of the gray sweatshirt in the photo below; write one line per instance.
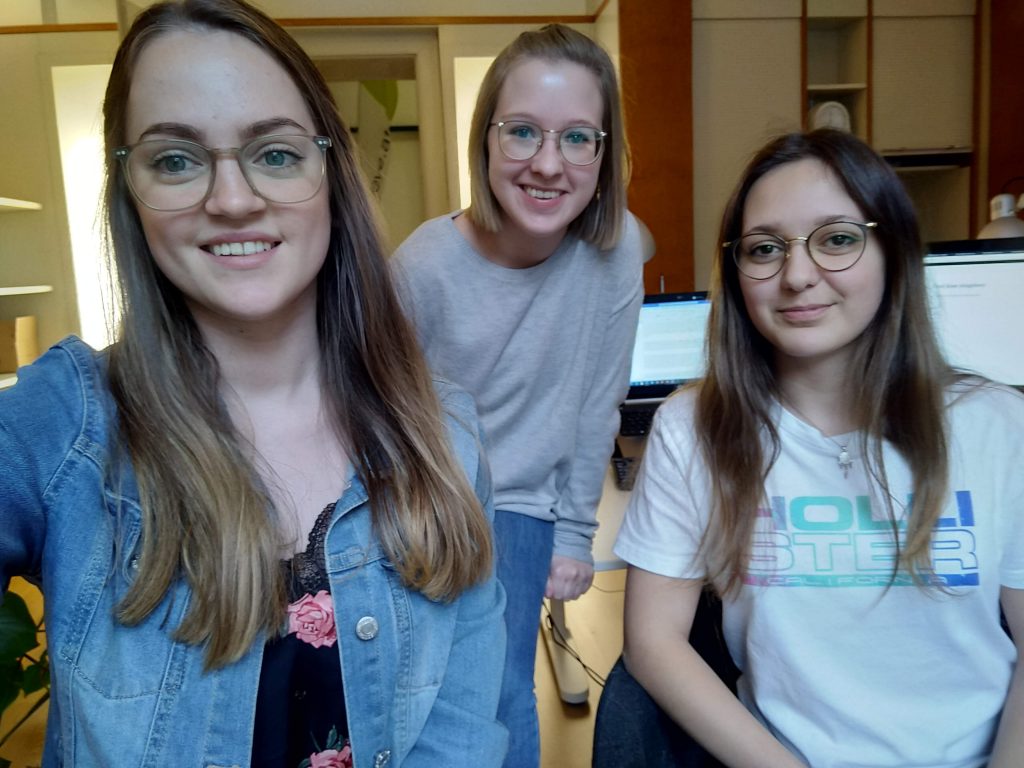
(545, 351)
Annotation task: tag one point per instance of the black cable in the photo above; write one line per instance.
(608, 591)
(562, 642)
(1010, 181)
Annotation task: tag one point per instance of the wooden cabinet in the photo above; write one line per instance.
(902, 70)
(836, 65)
(17, 333)
(746, 89)
(904, 73)
(923, 83)
(923, 96)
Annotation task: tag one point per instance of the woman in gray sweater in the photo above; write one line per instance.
(529, 299)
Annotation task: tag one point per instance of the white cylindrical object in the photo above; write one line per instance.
(1002, 205)
(1004, 223)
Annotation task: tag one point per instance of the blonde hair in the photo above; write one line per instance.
(601, 222)
(205, 516)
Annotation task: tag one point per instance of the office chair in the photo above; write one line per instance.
(632, 731)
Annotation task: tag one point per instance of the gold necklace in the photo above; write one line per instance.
(843, 458)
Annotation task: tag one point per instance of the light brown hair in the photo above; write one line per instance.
(206, 517)
(601, 222)
(901, 373)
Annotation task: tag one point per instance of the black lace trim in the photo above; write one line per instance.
(309, 568)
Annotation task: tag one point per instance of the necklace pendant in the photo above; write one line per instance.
(845, 462)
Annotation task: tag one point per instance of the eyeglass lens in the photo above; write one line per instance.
(579, 145)
(172, 174)
(833, 247)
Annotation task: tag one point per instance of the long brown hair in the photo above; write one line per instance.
(205, 515)
(902, 375)
(601, 222)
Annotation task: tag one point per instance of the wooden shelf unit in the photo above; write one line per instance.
(13, 205)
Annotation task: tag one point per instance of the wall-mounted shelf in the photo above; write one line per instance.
(929, 159)
(836, 65)
(23, 290)
(836, 87)
(9, 204)
(12, 205)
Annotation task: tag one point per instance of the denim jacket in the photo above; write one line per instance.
(421, 677)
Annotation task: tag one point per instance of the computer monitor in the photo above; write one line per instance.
(976, 292)
(669, 348)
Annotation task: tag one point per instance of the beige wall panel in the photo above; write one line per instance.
(836, 8)
(924, 7)
(746, 89)
(940, 198)
(746, 9)
(923, 82)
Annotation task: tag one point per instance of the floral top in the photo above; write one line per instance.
(300, 708)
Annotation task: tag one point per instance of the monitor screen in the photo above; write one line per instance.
(976, 292)
(669, 347)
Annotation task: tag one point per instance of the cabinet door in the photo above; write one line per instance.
(923, 80)
(746, 90)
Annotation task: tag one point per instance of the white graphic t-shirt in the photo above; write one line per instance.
(845, 664)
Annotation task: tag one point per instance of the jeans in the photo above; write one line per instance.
(524, 545)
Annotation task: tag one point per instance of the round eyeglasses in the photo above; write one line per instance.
(578, 144)
(174, 174)
(834, 247)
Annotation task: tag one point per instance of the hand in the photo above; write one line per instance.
(568, 578)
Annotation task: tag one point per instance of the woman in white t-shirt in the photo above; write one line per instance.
(854, 500)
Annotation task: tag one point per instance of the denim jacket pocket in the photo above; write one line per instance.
(115, 660)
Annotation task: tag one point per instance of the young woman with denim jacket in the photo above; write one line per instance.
(261, 528)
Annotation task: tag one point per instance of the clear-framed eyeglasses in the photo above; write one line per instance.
(175, 174)
(834, 247)
(578, 144)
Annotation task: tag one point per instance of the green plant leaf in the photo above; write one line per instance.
(11, 676)
(37, 676)
(17, 629)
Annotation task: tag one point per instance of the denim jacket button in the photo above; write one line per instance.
(366, 629)
(134, 563)
(382, 758)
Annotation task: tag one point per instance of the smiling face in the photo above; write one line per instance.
(236, 257)
(540, 197)
(810, 316)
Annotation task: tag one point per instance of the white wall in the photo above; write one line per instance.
(35, 246)
(78, 98)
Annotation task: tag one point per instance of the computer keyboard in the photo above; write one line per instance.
(636, 421)
(625, 468)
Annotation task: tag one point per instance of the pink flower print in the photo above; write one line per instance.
(312, 620)
(332, 758)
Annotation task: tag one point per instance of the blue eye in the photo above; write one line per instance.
(523, 131)
(173, 164)
(173, 160)
(577, 136)
(276, 156)
(279, 158)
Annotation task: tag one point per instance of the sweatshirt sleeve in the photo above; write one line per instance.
(576, 513)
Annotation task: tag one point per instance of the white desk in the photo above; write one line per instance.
(572, 680)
